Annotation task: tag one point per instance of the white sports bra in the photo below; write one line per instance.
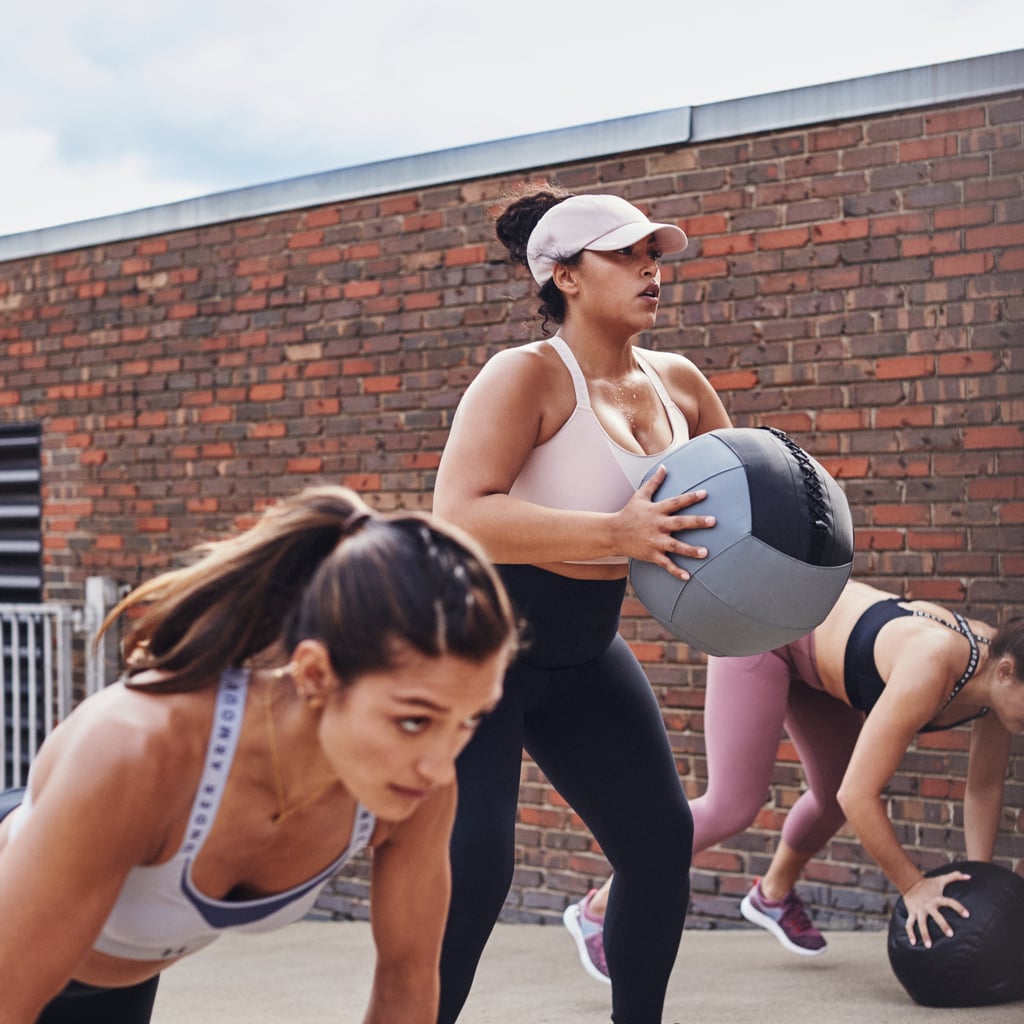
(159, 913)
(581, 467)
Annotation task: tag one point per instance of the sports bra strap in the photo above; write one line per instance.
(579, 382)
(972, 638)
(652, 376)
(220, 752)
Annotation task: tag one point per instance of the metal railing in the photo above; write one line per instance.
(35, 681)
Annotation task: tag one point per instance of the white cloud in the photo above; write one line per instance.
(109, 107)
(40, 190)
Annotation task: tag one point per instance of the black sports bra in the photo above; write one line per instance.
(864, 684)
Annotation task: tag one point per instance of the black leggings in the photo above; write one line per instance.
(83, 1004)
(580, 704)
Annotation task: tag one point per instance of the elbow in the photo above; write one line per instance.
(453, 504)
(470, 511)
(444, 507)
(458, 512)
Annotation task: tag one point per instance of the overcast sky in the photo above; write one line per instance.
(107, 106)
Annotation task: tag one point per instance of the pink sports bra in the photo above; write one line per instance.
(581, 467)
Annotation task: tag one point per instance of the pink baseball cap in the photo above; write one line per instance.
(602, 223)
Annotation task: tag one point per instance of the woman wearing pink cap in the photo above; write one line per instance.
(544, 466)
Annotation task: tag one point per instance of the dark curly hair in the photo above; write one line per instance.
(514, 227)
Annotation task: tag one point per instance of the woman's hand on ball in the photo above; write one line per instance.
(925, 899)
(648, 528)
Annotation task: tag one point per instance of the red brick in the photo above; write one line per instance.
(903, 367)
(965, 265)
(362, 289)
(267, 430)
(376, 385)
(306, 240)
(266, 392)
(423, 300)
(928, 149)
(994, 437)
(957, 364)
(398, 204)
(913, 416)
(737, 380)
(323, 217)
(841, 230)
(725, 244)
(321, 257)
(469, 255)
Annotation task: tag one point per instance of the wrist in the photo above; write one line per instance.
(905, 890)
(611, 535)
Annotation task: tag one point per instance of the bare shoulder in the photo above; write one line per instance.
(140, 742)
(672, 365)
(920, 660)
(526, 389)
(528, 365)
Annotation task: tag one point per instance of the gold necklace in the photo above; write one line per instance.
(283, 811)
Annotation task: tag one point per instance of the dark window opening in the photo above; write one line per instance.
(21, 512)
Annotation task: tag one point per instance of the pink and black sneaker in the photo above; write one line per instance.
(787, 919)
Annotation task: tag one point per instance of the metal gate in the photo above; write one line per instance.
(35, 681)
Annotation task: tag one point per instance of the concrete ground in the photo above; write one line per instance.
(318, 972)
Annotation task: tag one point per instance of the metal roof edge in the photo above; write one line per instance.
(861, 97)
(855, 97)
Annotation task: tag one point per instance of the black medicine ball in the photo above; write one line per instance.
(982, 963)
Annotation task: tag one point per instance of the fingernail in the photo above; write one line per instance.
(709, 520)
(702, 552)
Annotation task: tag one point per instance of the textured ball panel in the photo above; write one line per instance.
(781, 475)
(780, 552)
(982, 963)
(720, 613)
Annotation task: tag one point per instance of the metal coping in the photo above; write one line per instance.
(816, 104)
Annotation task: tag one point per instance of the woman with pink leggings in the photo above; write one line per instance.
(851, 696)
(749, 701)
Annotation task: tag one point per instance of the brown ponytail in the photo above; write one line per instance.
(318, 565)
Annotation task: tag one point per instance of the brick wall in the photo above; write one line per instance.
(858, 284)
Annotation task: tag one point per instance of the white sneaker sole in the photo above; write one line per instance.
(754, 916)
(571, 920)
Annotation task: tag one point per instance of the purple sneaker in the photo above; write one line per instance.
(786, 919)
(587, 929)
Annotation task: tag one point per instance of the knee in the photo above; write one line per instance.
(661, 848)
(717, 819)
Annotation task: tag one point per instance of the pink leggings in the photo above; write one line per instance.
(748, 702)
